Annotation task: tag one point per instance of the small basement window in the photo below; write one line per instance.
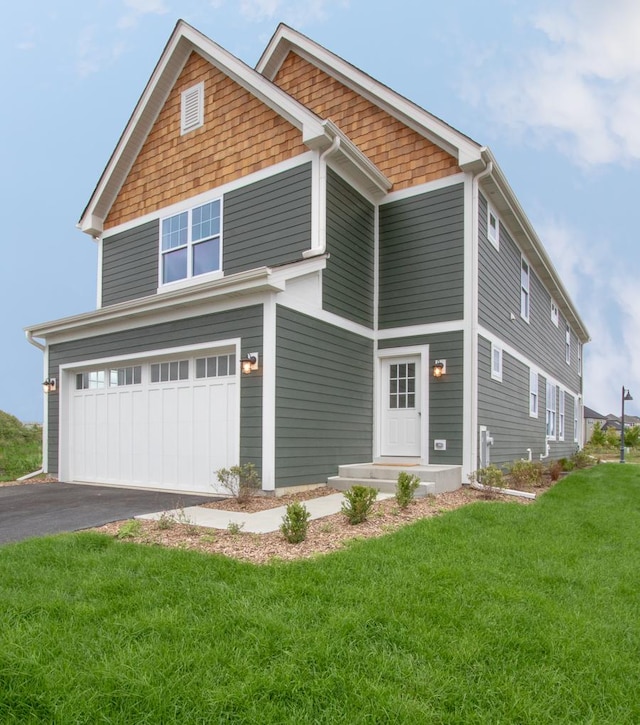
(496, 362)
(555, 315)
(493, 227)
(192, 108)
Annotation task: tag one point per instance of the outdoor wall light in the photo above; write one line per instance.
(49, 385)
(439, 368)
(626, 395)
(249, 364)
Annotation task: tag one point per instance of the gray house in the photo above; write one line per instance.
(300, 268)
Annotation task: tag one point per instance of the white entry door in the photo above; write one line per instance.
(401, 400)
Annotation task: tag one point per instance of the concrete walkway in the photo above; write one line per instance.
(261, 522)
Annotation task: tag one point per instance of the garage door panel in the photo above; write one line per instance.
(165, 434)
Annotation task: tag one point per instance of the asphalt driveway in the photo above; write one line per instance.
(38, 509)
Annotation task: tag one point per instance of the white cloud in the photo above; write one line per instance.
(91, 55)
(606, 293)
(139, 8)
(294, 12)
(580, 88)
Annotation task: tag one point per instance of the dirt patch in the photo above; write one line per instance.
(264, 503)
(37, 479)
(327, 534)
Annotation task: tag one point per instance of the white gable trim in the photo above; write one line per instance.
(466, 151)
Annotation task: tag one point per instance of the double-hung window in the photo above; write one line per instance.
(493, 227)
(567, 345)
(551, 410)
(525, 297)
(533, 394)
(561, 415)
(576, 409)
(190, 243)
(496, 362)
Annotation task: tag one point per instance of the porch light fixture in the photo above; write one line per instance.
(626, 395)
(249, 364)
(439, 368)
(49, 385)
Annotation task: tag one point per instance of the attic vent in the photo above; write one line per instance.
(192, 108)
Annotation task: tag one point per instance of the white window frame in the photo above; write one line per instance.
(555, 314)
(525, 289)
(561, 414)
(496, 355)
(493, 230)
(551, 406)
(580, 359)
(192, 108)
(576, 409)
(189, 245)
(533, 394)
(567, 345)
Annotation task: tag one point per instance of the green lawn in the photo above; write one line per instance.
(495, 613)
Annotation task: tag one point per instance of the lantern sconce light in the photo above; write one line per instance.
(249, 363)
(49, 385)
(439, 368)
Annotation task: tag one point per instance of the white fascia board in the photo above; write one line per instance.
(243, 283)
(533, 249)
(466, 151)
(184, 40)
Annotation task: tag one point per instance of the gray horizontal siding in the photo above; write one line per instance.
(269, 222)
(445, 395)
(245, 323)
(422, 258)
(130, 264)
(499, 297)
(324, 399)
(503, 406)
(348, 280)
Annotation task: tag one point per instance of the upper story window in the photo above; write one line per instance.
(493, 227)
(496, 362)
(555, 315)
(190, 242)
(580, 358)
(567, 345)
(192, 108)
(525, 296)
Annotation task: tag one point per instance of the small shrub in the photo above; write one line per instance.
(554, 470)
(129, 530)
(295, 523)
(406, 487)
(234, 528)
(165, 522)
(566, 465)
(240, 481)
(526, 473)
(598, 437)
(358, 503)
(581, 459)
(490, 477)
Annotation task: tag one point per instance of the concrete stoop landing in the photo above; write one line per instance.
(383, 477)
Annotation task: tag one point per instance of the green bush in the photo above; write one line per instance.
(358, 503)
(581, 459)
(295, 523)
(240, 481)
(632, 436)
(526, 473)
(406, 487)
(567, 464)
(130, 529)
(612, 437)
(20, 447)
(598, 437)
(490, 477)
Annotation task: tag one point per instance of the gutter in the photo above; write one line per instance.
(320, 246)
(33, 341)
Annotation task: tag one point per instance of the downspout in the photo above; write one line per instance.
(320, 246)
(473, 312)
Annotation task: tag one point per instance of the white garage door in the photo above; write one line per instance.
(156, 423)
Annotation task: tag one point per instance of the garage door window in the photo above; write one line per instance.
(166, 371)
(216, 366)
(131, 375)
(90, 380)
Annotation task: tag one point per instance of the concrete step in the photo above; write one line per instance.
(443, 477)
(381, 485)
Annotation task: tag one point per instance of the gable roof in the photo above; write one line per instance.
(471, 156)
(590, 413)
(317, 133)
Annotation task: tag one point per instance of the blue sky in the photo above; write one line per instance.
(553, 89)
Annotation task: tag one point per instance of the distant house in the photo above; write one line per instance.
(367, 265)
(591, 417)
